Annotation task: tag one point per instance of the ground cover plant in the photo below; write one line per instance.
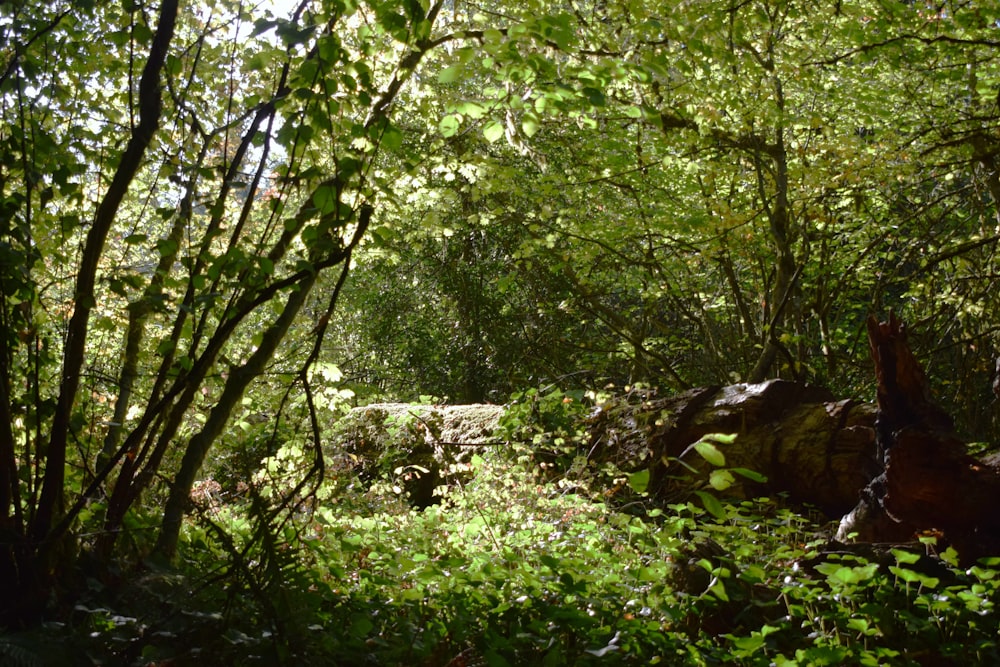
(523, 563)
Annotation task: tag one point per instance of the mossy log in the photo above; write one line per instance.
(892, 471)
(817, 450)
(421, 442)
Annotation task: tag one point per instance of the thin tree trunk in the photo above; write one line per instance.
(137, 315)
(785, 275)
(239, 379)
(9, 489)
(150, 106)
(236, 385)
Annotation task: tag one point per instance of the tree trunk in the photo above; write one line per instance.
(150, 106)
(201, 442)
(898, 471)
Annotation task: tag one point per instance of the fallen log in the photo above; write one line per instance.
(415, 445)
(928, 483)
(811, 447)
(889, 472)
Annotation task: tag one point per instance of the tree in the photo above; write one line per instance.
(731, 189)
(164, 228)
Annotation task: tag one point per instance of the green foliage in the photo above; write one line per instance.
(689, 196)
(520, 571)
(208, 212)
(170, 196)
(546, 420)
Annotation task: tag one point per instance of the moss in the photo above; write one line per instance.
(412, 445)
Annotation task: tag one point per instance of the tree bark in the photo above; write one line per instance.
(27, 562)
(817, 450)
(928, 482)
(201, 442)
(891, 472)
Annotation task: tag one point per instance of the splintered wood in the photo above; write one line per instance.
(928, 483)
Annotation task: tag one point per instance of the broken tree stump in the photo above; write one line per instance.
(928, 481)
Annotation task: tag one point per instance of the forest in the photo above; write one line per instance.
(447, 333)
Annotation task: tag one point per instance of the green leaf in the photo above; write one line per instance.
(492, 36)
(710, 452)
(749, 644)
(325, 199)
(840, 574)
(472, 110)
(392, 138)
(752, 475)
(422, 30)
(912, 577)
(639, 481)
(949, 556)
(861, 625)
(166, 247)
(530, 125)
(550, 562)
(347, 168)
(450, 74)
(720, 480)
(260, 26)
(595, 96)
(719, 591)
(493, 131)
(712, 505)
(905, 557)
(820, 656)
(449, 125)
(173, 65)
(166, 346)
(361, 626)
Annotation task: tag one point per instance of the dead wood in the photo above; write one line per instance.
(927, 482)
(817, 450)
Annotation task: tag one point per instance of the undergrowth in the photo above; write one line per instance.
(520, 565)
